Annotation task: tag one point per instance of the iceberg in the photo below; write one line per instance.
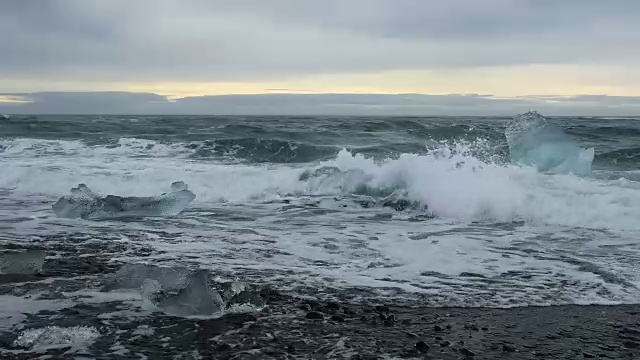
(85, 204)
(534, 142)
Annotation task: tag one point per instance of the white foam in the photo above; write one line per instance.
(52, 337)
(565, 218)
(459, 186)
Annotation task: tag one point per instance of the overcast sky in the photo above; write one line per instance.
(186, 48)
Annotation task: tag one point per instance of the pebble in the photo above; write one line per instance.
(315, 315)
(467, 352)
(410, 334)
(437, 328)
(445, 343)
(588, 355)
(382, 309)
(508, 348)
(332, 306)
(422, 346)
(337, 318)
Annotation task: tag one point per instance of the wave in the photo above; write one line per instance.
(462, 181)
(455, 184)
(243, 149)
(629, 156)
(261, 150)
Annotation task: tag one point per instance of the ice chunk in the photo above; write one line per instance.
(84, 203)
(197, 298)
(133, 276)
(52, 337)
(534, 142)
(173, 290)
(21, 262)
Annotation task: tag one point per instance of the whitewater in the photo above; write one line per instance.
(434, 209)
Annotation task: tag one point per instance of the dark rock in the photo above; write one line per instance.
(410, 334)
(437, 328)
(422, 346)
(348, 311)
(484, 328)
(224, 347)
(466, 352)
(291, 349)
(332, 306)
(473, 327)
(315, 315)
(406, 321)
(631, 344)
(382, 309)
(337, 318)
(588, 355)
(445, 343)
(508, 348)
(305, 307)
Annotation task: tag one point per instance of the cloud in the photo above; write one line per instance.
(317, 104)
(257, 40)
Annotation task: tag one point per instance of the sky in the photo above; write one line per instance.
(531, 52)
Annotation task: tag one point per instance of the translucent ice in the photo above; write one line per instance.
(173, 290)
(21, 262)
(534, 142)
(132, 276)
(57, 337)
(84, 203)
(197, 298)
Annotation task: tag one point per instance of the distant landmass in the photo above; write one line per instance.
(314, 104)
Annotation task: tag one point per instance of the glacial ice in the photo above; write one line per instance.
(21, 262)
(52, 337)
(173, 290)
(534, 142)
(196, 298)
(84, 203)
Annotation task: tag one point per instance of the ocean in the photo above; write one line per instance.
(377, 210)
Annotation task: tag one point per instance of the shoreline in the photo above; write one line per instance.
(289, 327)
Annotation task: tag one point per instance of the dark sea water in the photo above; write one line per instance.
(301, 205)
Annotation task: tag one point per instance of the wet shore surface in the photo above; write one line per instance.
(274, 324)
(291, 328)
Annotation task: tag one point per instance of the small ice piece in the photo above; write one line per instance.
(52, 337)
(173, 290)
(133, 276)
(534, 142)
(22, 262)
(196, 299)
(84, 203)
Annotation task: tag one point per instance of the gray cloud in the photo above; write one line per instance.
(249, 40)
(318, 104)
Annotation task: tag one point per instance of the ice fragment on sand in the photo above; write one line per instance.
(132, 276)
(197, 298)
(57, 337)
(21, 262)
(173, 290)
